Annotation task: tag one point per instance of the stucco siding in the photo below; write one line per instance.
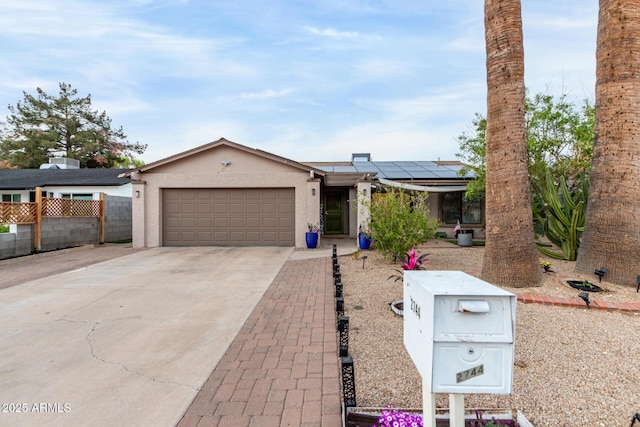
(205, 170)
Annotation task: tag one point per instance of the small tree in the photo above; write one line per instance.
(559, 138)
(44, 125)
(400, 220)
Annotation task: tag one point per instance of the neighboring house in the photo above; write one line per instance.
(227, 194)
(19, 185)
(89, 219)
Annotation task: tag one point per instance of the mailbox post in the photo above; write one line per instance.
(460, 333)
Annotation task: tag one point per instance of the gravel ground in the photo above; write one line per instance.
(573, 366)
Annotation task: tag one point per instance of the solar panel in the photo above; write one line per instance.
(365, 168)
(416, 170)
(413, 168)
(389, 167)
(344, 169)
(424, 175)
(398, 175)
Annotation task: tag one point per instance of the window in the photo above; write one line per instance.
(455, 206)
(77, 196)
(11, 198)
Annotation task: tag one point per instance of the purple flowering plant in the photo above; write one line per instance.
(392, 418)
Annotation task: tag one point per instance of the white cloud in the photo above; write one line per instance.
(103, 36)
(266, 94)
(308, 80)
(333, 33)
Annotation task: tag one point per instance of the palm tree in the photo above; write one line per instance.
(612, 229)
(510, 256)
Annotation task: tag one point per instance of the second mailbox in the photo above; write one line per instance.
(459, 331)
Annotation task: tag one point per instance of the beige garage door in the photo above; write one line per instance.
(228, 217)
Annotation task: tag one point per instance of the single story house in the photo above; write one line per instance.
(227, 194)
(19, 185)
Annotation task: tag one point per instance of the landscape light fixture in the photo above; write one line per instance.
(585, 297)
(600, 273)
(137, 194)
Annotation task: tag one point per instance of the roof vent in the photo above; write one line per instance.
(361, 157)
(61, 163)
(49, 166)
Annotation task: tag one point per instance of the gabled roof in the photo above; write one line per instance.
(29, 179)
(224, 142)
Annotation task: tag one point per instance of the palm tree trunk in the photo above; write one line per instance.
(510, 257)
(612, 228)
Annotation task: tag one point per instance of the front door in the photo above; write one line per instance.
(333, 213)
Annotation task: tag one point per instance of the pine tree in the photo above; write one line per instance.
(43, 126)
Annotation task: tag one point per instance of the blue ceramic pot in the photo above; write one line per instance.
(312, 240)
(363, 242)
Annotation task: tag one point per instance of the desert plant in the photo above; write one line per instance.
(562, 216)
(399, 220)
(410, 261)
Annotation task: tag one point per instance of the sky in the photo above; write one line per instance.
(309, 80)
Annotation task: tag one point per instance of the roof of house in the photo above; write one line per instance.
(224, 142)
(342, 172)
(29, 179)
(405, 170)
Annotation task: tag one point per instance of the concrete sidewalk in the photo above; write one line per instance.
(282, 367)
(129, 341)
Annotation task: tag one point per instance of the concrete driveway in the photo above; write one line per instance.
(128, 341)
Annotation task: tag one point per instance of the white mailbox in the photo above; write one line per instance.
(459, 331)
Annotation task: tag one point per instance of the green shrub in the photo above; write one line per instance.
(400, 220)
(4, 228)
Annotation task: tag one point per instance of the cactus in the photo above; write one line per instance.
(563, 216)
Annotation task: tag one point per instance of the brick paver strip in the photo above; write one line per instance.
(282, 367)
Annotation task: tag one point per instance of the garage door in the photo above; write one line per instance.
(228, 217)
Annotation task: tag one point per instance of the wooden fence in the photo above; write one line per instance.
(33, 212)
(18, 213)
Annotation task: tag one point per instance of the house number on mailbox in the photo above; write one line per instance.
(415, 308)
(469, 373)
